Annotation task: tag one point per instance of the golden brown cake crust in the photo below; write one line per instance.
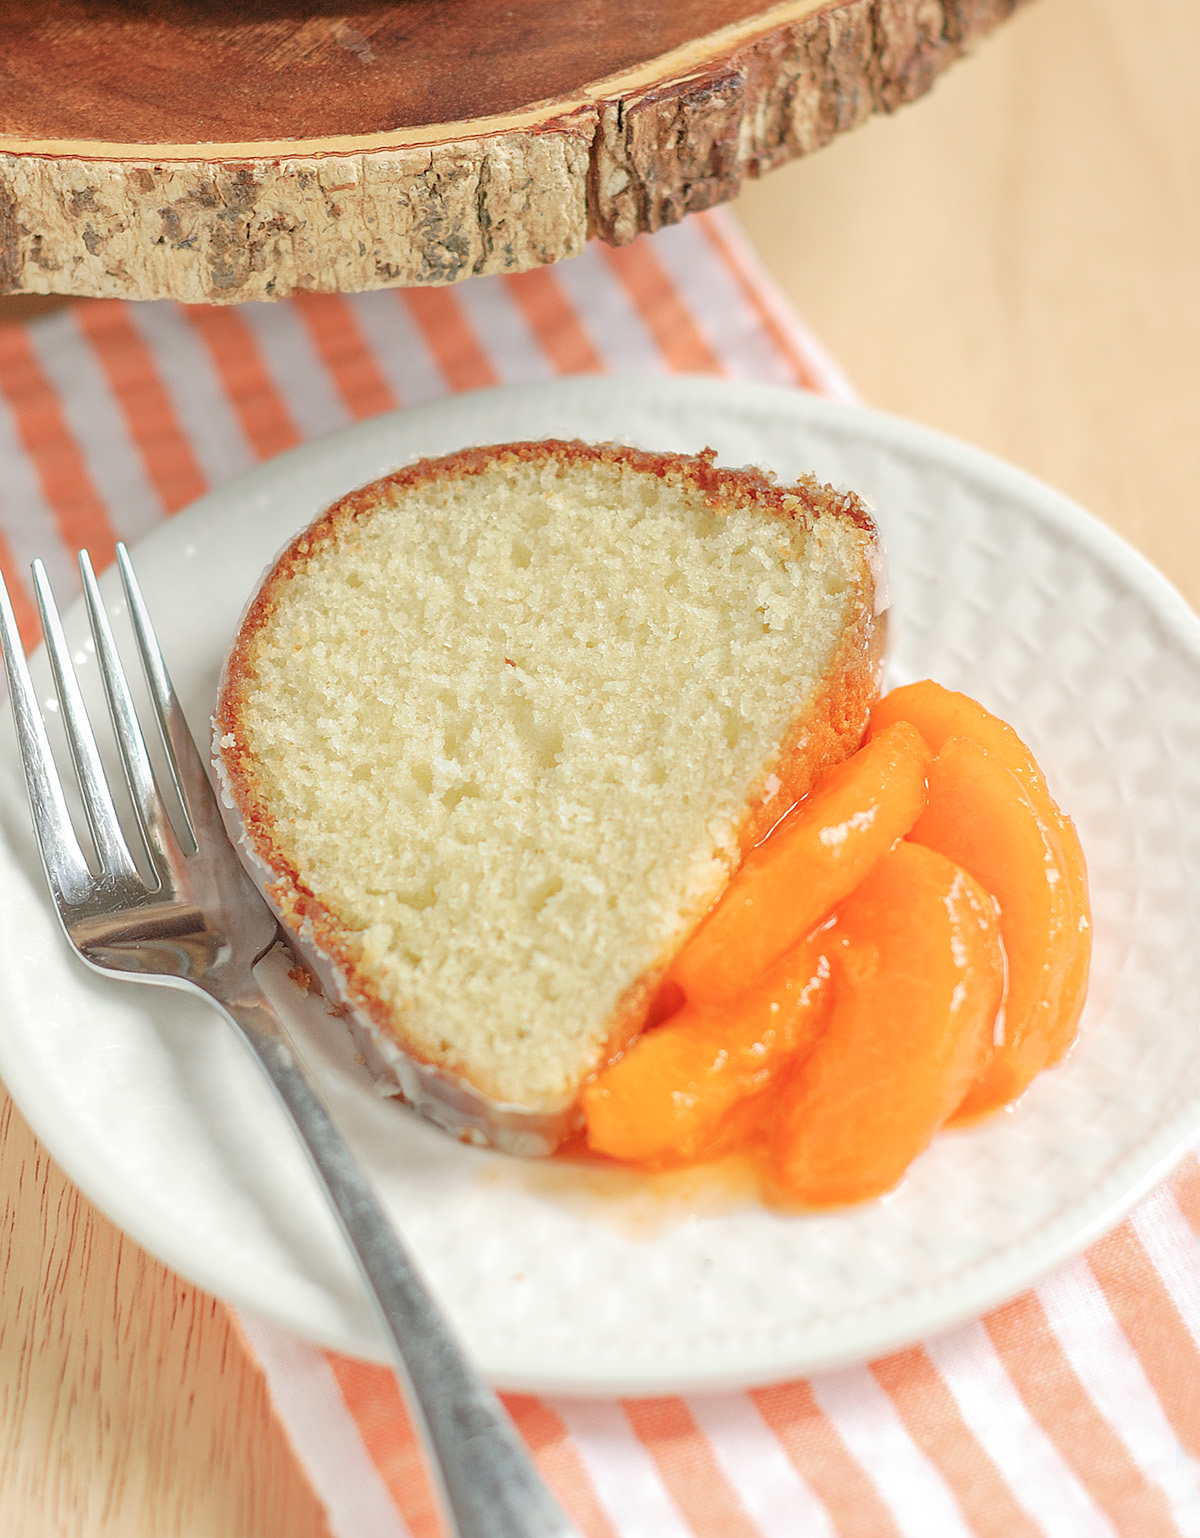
(829, 730)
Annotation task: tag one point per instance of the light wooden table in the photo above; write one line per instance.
(1014, 260)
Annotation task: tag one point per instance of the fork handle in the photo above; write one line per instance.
(488, 1481)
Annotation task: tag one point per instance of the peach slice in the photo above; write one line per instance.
(939, 713)
(671, 1092)
(982, 816)
(918, 978)
(813, 858)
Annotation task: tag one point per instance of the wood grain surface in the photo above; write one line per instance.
(1012, 260)
(128, 1405)
(1015, 260)
(217, 153)
(191, 72)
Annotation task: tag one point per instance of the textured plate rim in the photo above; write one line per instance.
(991, 1281)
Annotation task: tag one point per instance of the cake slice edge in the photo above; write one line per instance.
(828, 729)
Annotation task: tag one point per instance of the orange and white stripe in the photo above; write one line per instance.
(1071, 1412)
(199, 402)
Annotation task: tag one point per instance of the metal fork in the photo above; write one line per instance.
(200, 924)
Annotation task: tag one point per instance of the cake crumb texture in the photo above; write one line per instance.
(501, 723)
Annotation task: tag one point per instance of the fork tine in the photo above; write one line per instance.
(115, 859)
(66, 868)
(187, 767)
(154, 824)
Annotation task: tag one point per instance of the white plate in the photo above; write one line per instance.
(1001, 588)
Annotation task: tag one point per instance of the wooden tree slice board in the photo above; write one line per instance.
(212, 151)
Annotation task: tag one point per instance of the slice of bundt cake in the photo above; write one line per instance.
(496, 729)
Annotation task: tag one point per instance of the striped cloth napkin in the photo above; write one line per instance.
(1073, 1411)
